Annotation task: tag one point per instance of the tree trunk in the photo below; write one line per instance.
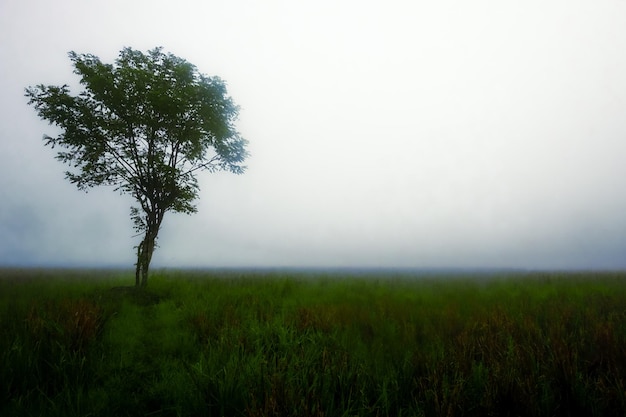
(145, 249)
(144, 256)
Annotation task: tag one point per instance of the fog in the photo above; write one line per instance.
(381, 134)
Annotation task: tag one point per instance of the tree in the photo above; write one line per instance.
(146, 125)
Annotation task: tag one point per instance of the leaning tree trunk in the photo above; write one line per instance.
(144, 256)
(145, 249)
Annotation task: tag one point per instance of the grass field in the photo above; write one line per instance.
(79, 343)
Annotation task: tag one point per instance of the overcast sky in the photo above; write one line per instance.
(382, 133)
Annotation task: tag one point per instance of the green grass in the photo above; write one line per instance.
(77, 343)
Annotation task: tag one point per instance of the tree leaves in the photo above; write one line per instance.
(145, 125)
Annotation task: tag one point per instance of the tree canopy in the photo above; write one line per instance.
(145, 124)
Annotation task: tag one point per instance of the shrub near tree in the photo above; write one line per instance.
(146, 125)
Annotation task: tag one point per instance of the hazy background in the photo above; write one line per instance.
(382, 133)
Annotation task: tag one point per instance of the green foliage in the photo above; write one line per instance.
(278, 345)
(145, 125)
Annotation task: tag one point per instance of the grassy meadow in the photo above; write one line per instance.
(81, 343)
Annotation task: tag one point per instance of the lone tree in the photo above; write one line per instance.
(145, 125)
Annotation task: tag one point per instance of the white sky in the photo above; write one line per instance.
(382, 133)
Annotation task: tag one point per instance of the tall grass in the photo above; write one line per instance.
(228, 344)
